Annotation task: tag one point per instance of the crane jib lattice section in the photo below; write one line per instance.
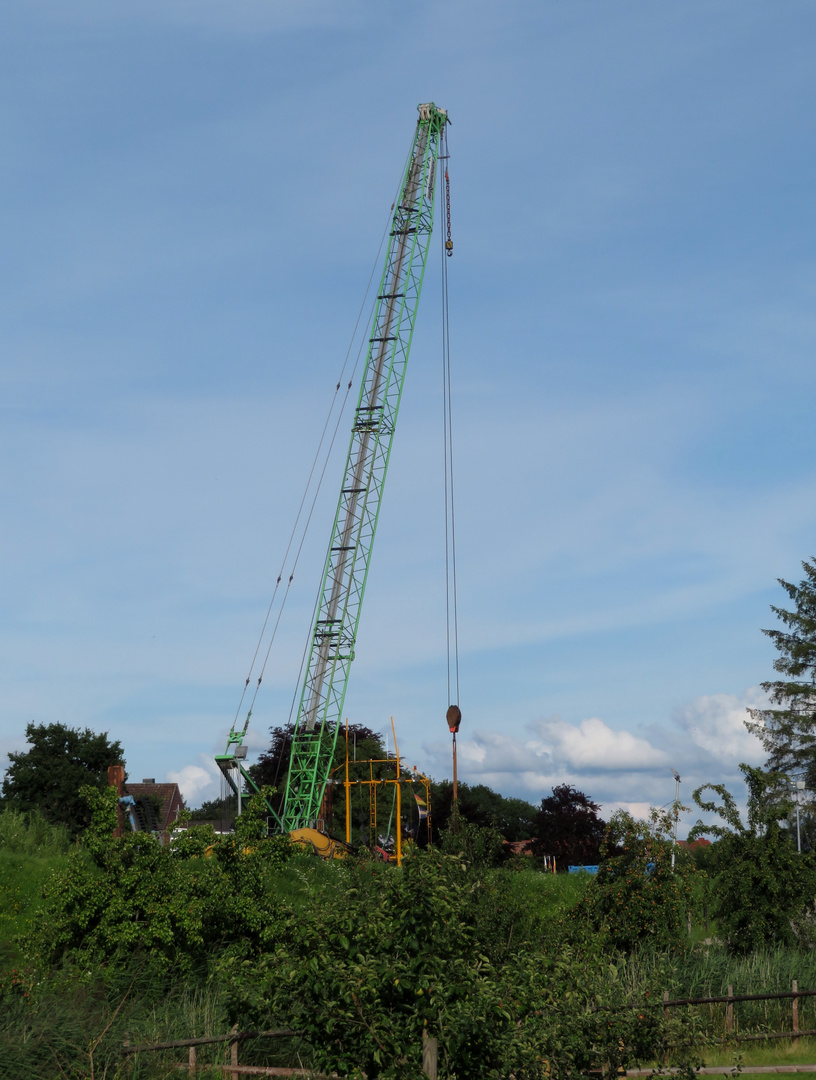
(347, 561)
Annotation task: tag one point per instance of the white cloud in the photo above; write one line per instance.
(638, 810)
(197, 783)
(705, 740)
(555, 752)
(592, 744)
(716, 723)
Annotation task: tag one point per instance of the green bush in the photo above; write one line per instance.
(171, 904)
(764, 889)
(636, 897)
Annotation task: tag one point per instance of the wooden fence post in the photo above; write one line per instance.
(430, 1050)
(795, 1009)
(666, 1007)
(729, 1012)
(191, 1067)
(234, 1048)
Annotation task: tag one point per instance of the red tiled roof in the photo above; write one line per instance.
(171, 801)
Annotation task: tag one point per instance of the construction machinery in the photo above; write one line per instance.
(337, 615)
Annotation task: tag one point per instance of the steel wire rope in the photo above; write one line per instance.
(372, 304)
(309, 482)
(451, 600)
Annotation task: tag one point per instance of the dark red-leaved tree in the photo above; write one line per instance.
(568, 827)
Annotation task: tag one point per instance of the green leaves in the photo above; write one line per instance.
(636, 897)
(48, 776)
(763, 887)
(171, 904)
(788, 733)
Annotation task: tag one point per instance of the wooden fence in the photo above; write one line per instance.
(235, 1037)
(730, 999)
(430, 1050)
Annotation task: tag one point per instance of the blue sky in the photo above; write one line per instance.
(193, 196)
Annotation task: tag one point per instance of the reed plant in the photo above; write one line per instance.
(709, 971)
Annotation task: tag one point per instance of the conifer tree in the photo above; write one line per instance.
(788, 732)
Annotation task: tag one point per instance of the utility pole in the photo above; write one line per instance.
(676, 815)
(800, 786)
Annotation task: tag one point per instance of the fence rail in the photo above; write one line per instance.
(234, 1037)
(205, 1040)
(729, 1000)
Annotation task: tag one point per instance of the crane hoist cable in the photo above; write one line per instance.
(451, 603)
(309, 480)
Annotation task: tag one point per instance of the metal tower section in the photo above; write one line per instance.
(349, 555)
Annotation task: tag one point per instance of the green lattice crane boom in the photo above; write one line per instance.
(355, 523)
(345, 573)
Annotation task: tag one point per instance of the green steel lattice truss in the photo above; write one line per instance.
(348, 559)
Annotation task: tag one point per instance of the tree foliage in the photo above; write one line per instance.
(360, 957)
(636, 898)
(48, 776)
(481, 806)
(569, 827)
(422, 950)
(763, 886)
(788, 732)
(133, 895)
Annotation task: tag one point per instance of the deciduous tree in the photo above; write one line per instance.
(47, 777)
(763, 887)
(569, 827)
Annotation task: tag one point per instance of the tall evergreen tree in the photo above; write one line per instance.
(788, 732)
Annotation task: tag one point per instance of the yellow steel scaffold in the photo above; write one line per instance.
(374, 782)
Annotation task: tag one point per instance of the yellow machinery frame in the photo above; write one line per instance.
(373, 783)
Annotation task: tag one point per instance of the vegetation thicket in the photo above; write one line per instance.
(765, 888)
(515, 972)
(511, 969)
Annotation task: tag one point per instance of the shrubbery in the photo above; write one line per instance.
(169, 905)
(636, 898)
(764, 888)
(359, 957)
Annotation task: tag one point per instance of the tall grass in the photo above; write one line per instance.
(77, 1025)
(30, 850)
(30, 834)
(709, 971)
